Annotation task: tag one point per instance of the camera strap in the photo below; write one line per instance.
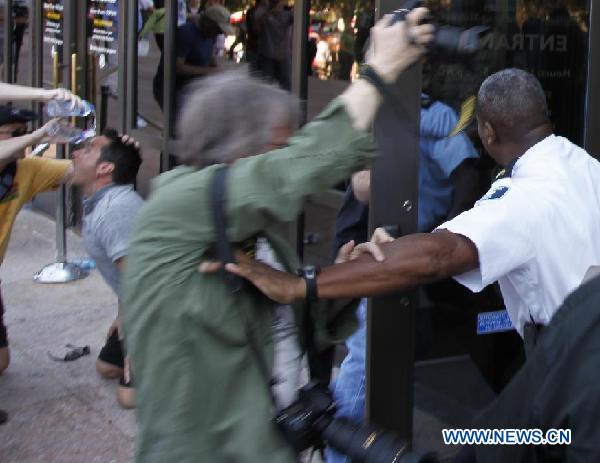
(225, 255)
(390, 96)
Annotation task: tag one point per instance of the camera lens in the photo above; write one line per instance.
(310, 420)
(368, 445)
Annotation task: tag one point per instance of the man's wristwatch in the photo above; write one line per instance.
(309, 273)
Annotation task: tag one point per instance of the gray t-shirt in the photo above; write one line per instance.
(109, 215)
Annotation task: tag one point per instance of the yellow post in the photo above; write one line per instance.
(55, 69)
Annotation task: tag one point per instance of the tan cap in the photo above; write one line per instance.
(220, 15)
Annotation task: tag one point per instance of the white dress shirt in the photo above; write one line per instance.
(538, 231)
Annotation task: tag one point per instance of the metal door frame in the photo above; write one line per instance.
(390, 334)
(8, 36)
(592, 110)
(391, 319)
(166, 143)
(169, 144)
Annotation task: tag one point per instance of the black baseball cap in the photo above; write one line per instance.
(10, 114)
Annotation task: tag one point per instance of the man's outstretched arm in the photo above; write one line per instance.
(13, 92)
(409, 261)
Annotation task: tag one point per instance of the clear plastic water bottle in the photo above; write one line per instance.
(65, 132)
(57, 108)
(85, 263)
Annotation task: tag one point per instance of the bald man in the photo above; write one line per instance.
(535, 231)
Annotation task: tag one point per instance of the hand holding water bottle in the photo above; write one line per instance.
(59, 131)
(62, 102)
(65, 104)
(56, 131)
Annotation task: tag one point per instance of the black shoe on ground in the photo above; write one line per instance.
(3, 417)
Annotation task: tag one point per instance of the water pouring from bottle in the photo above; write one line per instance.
(66, 132)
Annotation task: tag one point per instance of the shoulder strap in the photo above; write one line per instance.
(224, 250)
(225, 255)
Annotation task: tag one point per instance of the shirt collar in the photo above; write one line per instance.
(89, 203)
(529, 156)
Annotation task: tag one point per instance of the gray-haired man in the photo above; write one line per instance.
(203, 391)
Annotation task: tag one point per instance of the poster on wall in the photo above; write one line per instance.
(103, 18)
(53, 20)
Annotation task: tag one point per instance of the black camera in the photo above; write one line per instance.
(309, 422)
(451, 42)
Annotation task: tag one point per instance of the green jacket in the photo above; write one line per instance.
(155, 23)
(201, 396)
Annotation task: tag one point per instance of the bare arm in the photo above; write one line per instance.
(12, 148)
(361, 185)
(409, 261)
(12, 92)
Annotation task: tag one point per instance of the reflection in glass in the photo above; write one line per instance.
(458, 372)
(20, 23)
(337, 34)
(547, 38)
(150, 58)
(104, 26)
(52, 38)
(20, 47)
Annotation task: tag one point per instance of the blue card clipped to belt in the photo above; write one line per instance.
(493, 322)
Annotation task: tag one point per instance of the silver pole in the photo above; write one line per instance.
(62, 271)
(61, 229)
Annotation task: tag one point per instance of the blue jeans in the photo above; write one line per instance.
(349, 388)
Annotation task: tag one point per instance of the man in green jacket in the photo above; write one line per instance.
(202, 391)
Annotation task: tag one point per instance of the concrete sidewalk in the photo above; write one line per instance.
(58, 412)
(63, 412)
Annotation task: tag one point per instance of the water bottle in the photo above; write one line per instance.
(57, 108)
(85, 263)
(67, 133)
